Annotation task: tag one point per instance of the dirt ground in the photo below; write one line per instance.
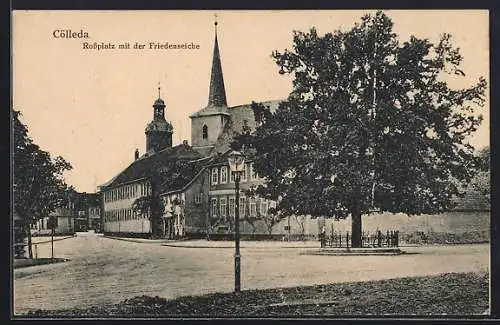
(103, 270)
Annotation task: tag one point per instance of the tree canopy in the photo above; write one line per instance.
(370, 125)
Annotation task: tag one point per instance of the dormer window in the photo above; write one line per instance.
(223, 175)
(215, 176)
(205, 131)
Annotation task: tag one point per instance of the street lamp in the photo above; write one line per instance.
(236, 162)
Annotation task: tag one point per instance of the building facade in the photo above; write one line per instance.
(198, 204)
(81, 212)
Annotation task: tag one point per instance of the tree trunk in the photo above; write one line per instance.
(356, 227)
(30, 248)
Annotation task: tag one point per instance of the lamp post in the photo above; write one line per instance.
(236, 162)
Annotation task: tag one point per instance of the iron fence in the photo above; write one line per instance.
(377, 239)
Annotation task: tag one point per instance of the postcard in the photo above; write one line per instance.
(259, 163)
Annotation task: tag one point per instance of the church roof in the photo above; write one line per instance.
(217, 92)
(205, 151)
(241, 116)
(159, 102)
(144, 167)
(211, 110)
(217, 102)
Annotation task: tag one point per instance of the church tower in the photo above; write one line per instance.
(159, 130)
(208, 123)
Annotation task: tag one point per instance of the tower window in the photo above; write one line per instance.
(205, 131)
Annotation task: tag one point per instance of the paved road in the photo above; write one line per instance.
(104, 270)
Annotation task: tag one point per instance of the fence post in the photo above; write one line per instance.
(347, 240)
(36, 251)
(340, 239)
(397, 238)
(387, 239)
(379, 238)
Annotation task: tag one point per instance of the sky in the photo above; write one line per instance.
(92, 106)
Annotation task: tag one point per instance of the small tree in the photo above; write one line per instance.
(301, 220)
(271, 218)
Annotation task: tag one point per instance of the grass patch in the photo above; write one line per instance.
(446, 294)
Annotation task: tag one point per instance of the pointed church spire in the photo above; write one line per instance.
(217, 93)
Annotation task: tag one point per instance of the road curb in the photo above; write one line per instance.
(242, 246)
(134, 240)
(49, 241)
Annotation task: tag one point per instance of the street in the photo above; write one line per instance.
(103, 270)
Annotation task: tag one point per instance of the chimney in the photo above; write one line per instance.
(136, 154)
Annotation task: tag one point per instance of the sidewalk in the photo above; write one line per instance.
(140, 240)
(47, 240)
(202, 243)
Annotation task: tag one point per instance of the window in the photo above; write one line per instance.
(263, 207)
(243, 174)
(253, 208)
(231, 207)
(215, 175)
(214, 207)
(198, 198)
(205, 132)
(223, 175)
(242, 206)
(223, 207)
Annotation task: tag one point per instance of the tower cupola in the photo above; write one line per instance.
(159, 131)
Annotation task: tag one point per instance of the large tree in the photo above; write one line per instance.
(38, 183)
(370, 125)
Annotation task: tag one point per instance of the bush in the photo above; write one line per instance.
(19, 245)
(470, 237)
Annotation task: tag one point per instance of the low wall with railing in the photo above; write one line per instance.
(389, 238)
